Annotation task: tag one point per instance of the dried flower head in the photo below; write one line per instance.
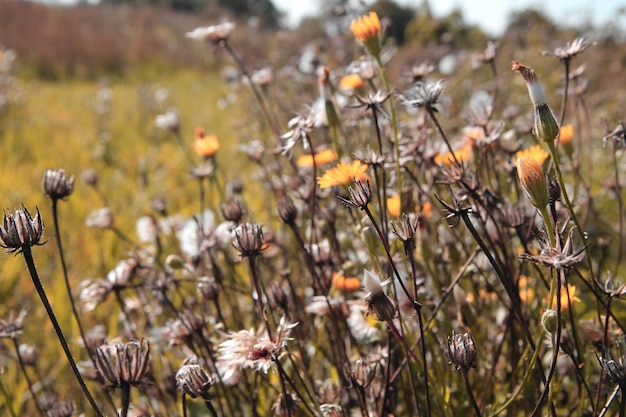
(424, 94)
(570, 50)
(360, 196)
(21, 230)
(233, 210)
(287, 210)
(615, 368)
(461, 351)
(194, 380)
(215, 34)
(534, 180)
(367, 30)
(11, 327)
(121, 363)
(57, 185)
(249, 239)
(556, 257)
(168, 120)
(286, 405)
(262, 77)
(100, 219)
(247, 349)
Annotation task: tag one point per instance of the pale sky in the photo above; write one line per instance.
(492, 15)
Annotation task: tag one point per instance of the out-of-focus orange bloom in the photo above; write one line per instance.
(462, 154)
(572, 296)
(205, 146)
(567, 134)
(320, 158)
(393, 206)
(367, 30)
(535, 152)
(472, 135)
(427, 209)
(526, 293)
(350, 82)
(344, 174)
(344, 283)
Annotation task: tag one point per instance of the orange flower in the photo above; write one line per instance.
(526, 293)
(350, 82)
(427, 209)
(473, 134)
(462, 154)
(534, 181)
(567, 134)
(343, 174)
(393, 205)
(367, 30)
(321, 158)
(535, 152)
(572, 296)
(205, 146)
(343, 283)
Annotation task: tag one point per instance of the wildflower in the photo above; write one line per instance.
(90, 177)
(362, 373)
(168, 120)
(566, 135)
(320, 158)
(360, 196)
(205, 146)
(573, 298)
(546, 127)
(121, 363)
(350, 82)
(535, 152)
(462, 351)
(57, 185)
(374, 102)
(534, 181)
(343, 174)
(215, 34)
(526, 292)
(194, 380)
(249, 239)
(331, 410)
(419, 72)
(424, 94)
(344, 283)
(366, 29)
(406, 228)
(100, 219)
(462, 154)
(21, 230)
(28, 353)
(393, 206)
(300, 128)
(12, 326)
(246, 349)
(378, 303)
(124, 271)
(569, 51)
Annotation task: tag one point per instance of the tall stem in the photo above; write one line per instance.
(30, 263)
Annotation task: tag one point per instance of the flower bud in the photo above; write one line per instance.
(549, 321)
(534, 181)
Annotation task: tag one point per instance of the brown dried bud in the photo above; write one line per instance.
(57, 185)
(287, 211)
(462, 351)
(21, 230)
(194, 380)
(249, 239)
(232, 210)
(123, 363)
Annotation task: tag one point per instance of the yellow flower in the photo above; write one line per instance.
(535, 152)
(320, 158)
(572, 296)
(462, 154)
(367, 30)
(526, 293)
(350, 82)
(427, 209)
(343, 174)
(205, 146)
(393, 205)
